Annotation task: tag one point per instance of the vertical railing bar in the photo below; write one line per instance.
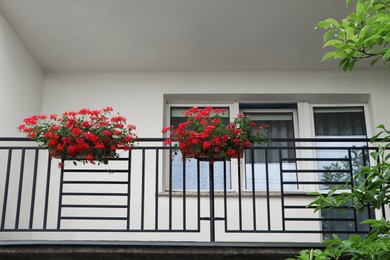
(156, 190)
(47, 192)
(184, 197)
(5, 199)
(60, 196)
(170, 189)
(198, 192)
(225, 194)
(352, 185)
(383, 206)
(129, 162)
(33, 188)
(364, 158)
(267, 188)
(143, 191)
(239, 195)
(282, 189)
(19, 200)
(212, 206)
(253, 188)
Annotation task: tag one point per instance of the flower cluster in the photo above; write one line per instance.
(204, 134)
(94, 135)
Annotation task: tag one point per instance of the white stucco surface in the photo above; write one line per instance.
(21, 81)
(140, 96)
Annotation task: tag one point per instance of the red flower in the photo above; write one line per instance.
(107, 133)
(76, 131)
(206, 145)
(128, 138)
(167, 142)
(89, 157)
(99, 146)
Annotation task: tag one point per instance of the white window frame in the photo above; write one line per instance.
(303, 120)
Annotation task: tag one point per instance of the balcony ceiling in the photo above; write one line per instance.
(173, 35)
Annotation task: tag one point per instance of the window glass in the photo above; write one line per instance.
(267, 156)
(340, 122)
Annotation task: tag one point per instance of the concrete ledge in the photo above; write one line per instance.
(78, 250)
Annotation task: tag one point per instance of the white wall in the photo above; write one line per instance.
(140, 96)
(21, 81)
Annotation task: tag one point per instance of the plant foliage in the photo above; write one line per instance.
(93, 134)
(369, 190)
(365, 33)
(204, 134)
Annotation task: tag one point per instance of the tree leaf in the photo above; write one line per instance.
(333, 22)
(375, 60)
(387, 54)
(328, 34)
(332, 42)
(328, 56)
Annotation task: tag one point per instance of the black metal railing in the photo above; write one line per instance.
(146, 191)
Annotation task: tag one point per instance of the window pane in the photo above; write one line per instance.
(280, 126)
(191, 165)
(340, 122)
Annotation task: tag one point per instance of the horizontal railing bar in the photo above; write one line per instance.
(314, 171)
(346, 148)
(97, 170)
(18, 147)
(313, 182)
(92, 206)
(316, 159)
(161, 139)
(105, 230)
(314, 207)
(94, 218)
(319, 219)
(297, 231)
(94, 182)
(92, 194)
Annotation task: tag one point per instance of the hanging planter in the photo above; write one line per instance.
(85, 135)
(204, 135)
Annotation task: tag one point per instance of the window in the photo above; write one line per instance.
(335, 123)
(266, 158)
(191, 166)
(286, 120)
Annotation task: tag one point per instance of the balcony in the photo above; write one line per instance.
(147, 196)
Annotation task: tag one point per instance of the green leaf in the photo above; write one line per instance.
(387, 54)
(352, 64)
(328, 34)
(341, 63)
(332, 42)
(347, 2)
(323, 24)
(328, 56)
(375, 60)
(359, 8)
(333, 22)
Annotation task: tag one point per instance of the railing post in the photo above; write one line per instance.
(212, 212)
